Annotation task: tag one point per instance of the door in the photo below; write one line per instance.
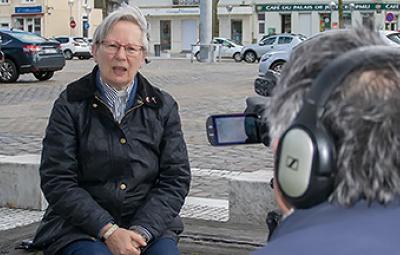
(188, 34)
(165, 34)
(305, 24)
(236, 31)
(286, 23)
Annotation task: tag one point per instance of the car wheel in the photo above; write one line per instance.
(250, 57)
(277, 66)
(237, 57)
(43, 76)
(197, 56)
(8, 71)
(68, 54)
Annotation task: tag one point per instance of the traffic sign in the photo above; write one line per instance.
(86, 25)
(389, 16)
(72, 24)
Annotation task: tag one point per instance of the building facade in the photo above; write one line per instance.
(317, 16)
(174, 24)
(51, 17)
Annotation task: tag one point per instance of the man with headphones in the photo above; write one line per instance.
(335, 128)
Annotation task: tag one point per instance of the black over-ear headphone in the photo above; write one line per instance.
(306, 157)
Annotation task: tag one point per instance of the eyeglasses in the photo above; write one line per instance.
(131, 50)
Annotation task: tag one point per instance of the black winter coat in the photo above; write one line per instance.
(95, 170)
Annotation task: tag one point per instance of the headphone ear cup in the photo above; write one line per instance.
(304, 165)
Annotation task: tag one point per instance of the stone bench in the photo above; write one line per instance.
(20, 182)
(213, 226)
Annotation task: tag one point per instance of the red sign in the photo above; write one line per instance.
(72, 24)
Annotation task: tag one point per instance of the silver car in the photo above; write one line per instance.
(227, 49)
(282, 42)
(273, 61)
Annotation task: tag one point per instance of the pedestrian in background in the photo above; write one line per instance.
(114, 166)
(334, 124)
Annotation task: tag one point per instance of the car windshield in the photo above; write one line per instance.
(28, 37)
(79, 40)
(395, 37)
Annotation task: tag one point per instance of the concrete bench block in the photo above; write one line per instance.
(20, 182)
(251, 197)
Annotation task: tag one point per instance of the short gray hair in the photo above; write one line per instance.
(362, 114)
(124, 13)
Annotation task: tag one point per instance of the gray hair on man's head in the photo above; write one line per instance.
(123, 13)
(362, 115)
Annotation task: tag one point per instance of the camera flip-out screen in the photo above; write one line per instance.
(228, 129)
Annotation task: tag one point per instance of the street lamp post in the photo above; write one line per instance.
(88, 9)
(352, 7)
(71, 18)
(229, 9)
(332, 6)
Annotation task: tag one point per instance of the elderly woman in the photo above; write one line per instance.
(114, 164)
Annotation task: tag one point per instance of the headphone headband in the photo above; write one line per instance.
(336, 71)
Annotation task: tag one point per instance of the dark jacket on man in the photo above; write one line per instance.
(332, 230)
(95, 170)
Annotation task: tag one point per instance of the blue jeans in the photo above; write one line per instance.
(161, 246)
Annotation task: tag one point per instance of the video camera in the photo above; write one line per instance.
(244, 128)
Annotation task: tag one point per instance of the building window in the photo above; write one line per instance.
(367, 18)
(286, 21)
(19, 23)
(4, 25)
(261, 16)
(347, 20)
(29, 24)
(37, 26)
(324, 21)
(261, 28)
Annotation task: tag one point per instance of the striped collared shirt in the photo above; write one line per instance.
(116, 99)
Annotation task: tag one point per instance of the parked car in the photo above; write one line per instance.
(270, 63)
(74, 46)
(1, 53)
(274, 61)
(392, 37)
(282, 42)
(228, 49)
(27, 52)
